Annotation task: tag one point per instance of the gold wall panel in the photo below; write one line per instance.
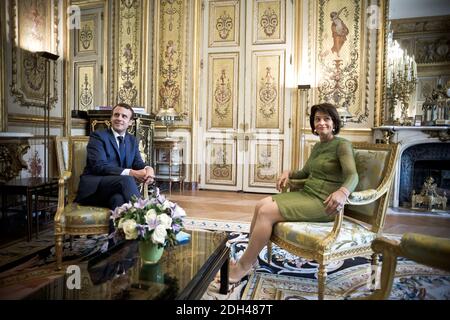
(85, 85)
(347, 41)
(220, 162)
(171, 54)
(269, 21)
(266, 162)
(223, 91)
(268, 87)
(87, 35)
(129, 51)
(33, 28)
(223, 23)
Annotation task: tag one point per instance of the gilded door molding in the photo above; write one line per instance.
(348, 41)
(266, 162)
(32, 31)
(88, 52)
(223, 91)
(269, 21)
(85, 85)
(221, 161)
(224, 16)
(268, 90)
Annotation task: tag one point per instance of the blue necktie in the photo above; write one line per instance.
(121, 150)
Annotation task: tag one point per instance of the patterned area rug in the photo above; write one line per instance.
(291, 278)
(213, 224)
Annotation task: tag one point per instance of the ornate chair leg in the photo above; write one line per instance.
(269, 252)
(58, 250)
(322, 276)
(374, 270)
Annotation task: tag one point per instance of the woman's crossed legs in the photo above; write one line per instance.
(265, 216)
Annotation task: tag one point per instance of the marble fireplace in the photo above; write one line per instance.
(424, 152)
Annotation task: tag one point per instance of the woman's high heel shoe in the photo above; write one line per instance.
(233, 264)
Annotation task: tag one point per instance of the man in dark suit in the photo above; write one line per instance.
(114, 164)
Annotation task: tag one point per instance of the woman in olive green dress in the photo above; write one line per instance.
(331, 176)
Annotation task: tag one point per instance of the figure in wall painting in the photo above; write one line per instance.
(339, 31)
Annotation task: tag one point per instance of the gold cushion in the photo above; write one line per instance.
(307, 235)
(76, 215)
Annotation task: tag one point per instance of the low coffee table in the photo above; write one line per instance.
(184, 271)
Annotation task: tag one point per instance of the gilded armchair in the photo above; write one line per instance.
(72, 218)
(424, 249)
(356, 226)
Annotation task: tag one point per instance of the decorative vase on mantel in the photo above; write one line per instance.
(150, 252)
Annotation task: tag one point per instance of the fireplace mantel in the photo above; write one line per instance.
(407, 136)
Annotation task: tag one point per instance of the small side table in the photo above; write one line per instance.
(29, 187)
(168, 161)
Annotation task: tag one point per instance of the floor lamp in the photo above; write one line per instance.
(48, 57)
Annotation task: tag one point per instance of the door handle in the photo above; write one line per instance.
(247, 138)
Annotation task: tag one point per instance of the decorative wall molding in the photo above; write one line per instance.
(347, 55)
(173, 54)
(32, 30)
(35, 120)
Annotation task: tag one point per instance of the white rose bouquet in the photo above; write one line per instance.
(156, 219)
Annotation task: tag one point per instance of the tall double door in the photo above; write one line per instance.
(246, 93)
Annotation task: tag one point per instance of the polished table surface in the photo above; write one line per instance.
(184, 272)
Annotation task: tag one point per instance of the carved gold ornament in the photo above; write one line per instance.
(265, 169)
(268, 94)
(86, 95)
(34, 69)
(170, 90)
(86, 36)
(269, 21)
(11, 160)
(224, 25)
(222, 95)
(220, 168)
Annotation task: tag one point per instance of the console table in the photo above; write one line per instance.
(168, 161)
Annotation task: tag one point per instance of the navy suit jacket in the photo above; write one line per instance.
(103, 159)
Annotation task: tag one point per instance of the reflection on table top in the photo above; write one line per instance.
(120, 274)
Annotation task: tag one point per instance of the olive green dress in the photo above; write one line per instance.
(330, 166)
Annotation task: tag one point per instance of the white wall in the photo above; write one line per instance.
(401, 9)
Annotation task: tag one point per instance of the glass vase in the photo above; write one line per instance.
(150, 252)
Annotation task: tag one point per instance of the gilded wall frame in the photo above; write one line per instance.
(223, 90)
(32, 31)
(224, 15)
(348, 56)
(269, 21)
(170, 43)
(129, 31)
